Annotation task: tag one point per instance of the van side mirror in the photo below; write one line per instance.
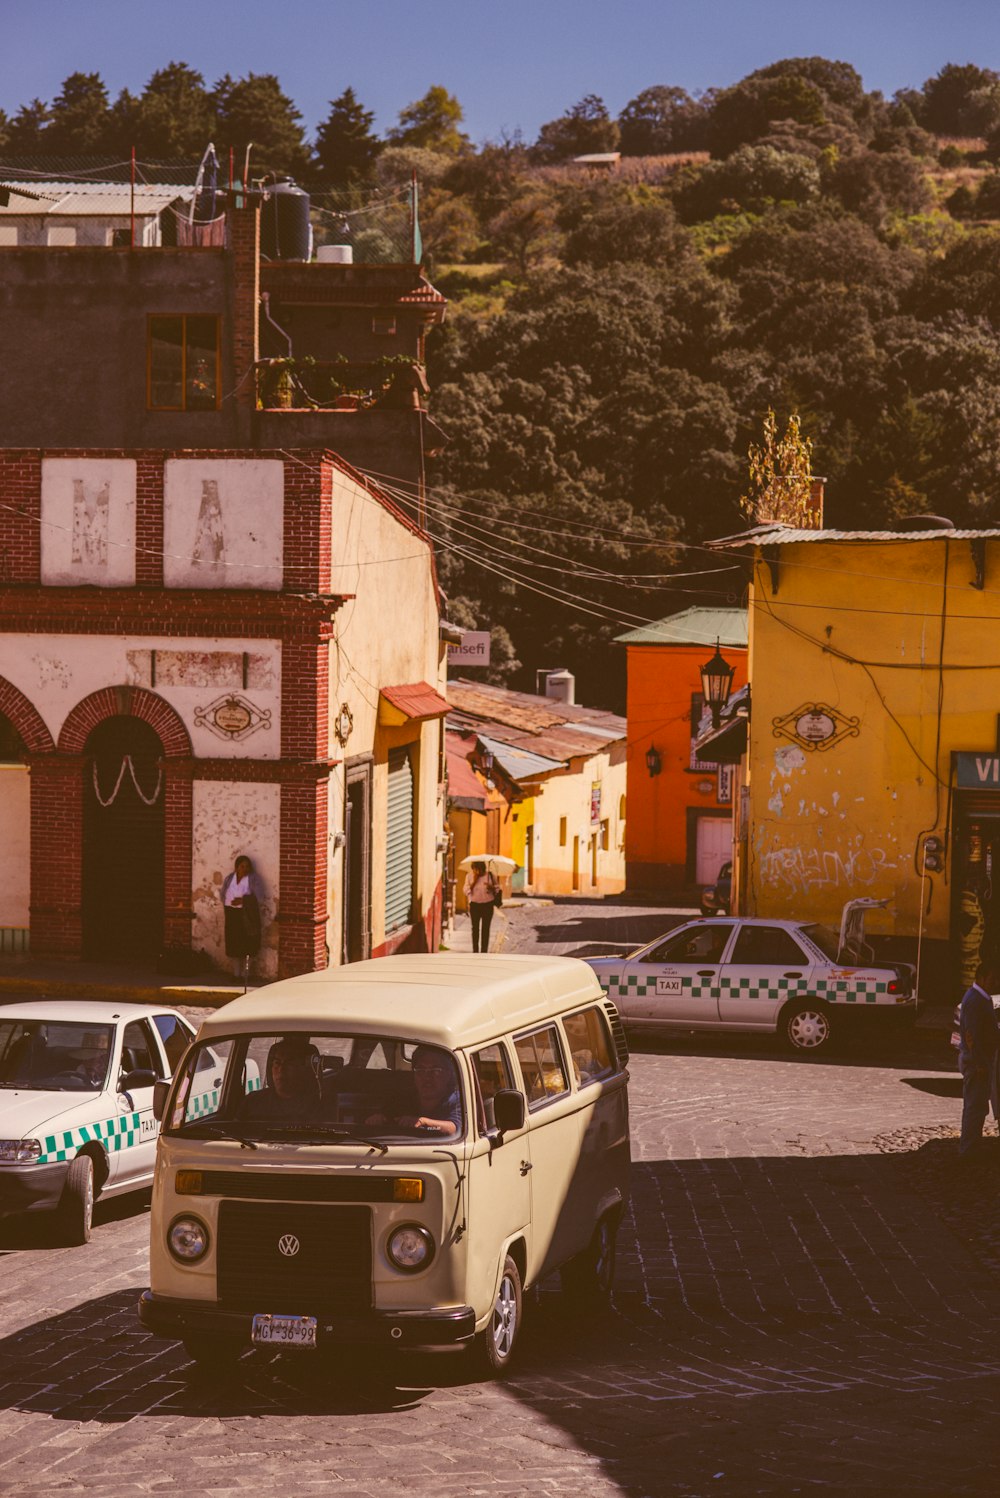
(508, 1110)
(160, 1091)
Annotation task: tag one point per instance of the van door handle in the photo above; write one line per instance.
(525, 1167)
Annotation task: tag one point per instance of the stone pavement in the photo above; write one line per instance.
(808, 1299)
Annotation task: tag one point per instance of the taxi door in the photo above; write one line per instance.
(138, 1128)
(676, 981)
(766, 967)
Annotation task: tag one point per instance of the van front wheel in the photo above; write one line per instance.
(590, 1276)
(495, 1345)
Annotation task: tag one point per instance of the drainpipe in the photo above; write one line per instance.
(265, 302)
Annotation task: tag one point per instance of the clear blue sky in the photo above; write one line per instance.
(513, 63)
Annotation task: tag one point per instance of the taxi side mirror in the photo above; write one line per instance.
(160, 1091)
(140, 1076)
(508, 1110)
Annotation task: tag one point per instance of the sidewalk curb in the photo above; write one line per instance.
(172, 994)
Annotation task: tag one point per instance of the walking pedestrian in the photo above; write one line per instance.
(977, 1055)
(241, 897)
(481, 892)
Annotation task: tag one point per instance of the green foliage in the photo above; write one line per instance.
(744, 113)
(586, 129)
(779, 475)
(175, 116)
(255, 109)
(960, 100)
(661, 120)
(750, 180)
(346, 149)
(432, 124)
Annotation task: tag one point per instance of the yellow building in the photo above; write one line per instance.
(560, 769)
(869, 760)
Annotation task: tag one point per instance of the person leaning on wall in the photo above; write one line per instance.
(242, 894)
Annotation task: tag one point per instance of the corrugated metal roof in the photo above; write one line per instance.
(85, 199)
(694, 626)
(787, 535)
(519, 764)
(463, 785)
(531, 714)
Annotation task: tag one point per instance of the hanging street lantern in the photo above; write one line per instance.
(653, 762)
(716, 683)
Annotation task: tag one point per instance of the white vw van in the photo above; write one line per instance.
(433, 1135)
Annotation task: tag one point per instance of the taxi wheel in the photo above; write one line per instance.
(805, 1027)
(495, 1346)
(76, 1208)
(590, 1276)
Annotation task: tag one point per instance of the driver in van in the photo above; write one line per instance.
(293, 1082)
(438, 1105)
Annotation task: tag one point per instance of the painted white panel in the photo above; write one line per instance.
(231, 818)
(223, 523)
(15, 853)
(714, 847)
(199, 677)
(88, 521)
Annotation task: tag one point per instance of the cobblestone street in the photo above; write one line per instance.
(808, 1300)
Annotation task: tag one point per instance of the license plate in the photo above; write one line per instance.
(284, 1331)
(668, 986)
(956, 1039)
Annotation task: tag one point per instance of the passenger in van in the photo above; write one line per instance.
(292, 1088)
(437, 1104)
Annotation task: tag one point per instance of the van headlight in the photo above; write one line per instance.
(20, 1151)
(410, 1247)
(187, 1239)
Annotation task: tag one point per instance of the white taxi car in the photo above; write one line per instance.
(753, 974)
(76, 1103)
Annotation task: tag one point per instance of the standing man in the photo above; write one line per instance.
(977, 1055)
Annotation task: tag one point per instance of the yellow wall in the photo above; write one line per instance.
(568, 794)
(857, 627)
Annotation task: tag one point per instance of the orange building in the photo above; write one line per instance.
(679, 829)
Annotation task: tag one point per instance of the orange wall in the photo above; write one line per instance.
(661, 679)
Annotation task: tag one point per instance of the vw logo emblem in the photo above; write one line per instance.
(288, 1245)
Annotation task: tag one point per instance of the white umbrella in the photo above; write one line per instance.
(498, 863)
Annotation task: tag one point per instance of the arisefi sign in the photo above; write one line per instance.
(473, 651)
(977, 771)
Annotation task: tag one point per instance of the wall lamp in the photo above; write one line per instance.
(716, 684)
(654, 764)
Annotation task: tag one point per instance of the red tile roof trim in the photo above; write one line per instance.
(417, 700)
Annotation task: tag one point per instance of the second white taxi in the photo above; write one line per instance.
(792, 978)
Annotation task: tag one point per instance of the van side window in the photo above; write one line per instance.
(491, 1069)
(589, 1045)
(541, 1065)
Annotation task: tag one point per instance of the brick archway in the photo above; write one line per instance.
(57, 821)
(125, 702)
(25, 717)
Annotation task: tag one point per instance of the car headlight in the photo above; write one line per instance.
(410, 1247)
(187, 1239)
(20, 1151)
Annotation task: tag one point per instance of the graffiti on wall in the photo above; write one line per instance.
(88, 521)
(223, 523)
(799, 871)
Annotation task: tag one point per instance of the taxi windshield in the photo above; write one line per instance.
(318, 1089)
(54, 1055)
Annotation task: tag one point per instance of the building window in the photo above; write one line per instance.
(8, 234)
(562, 832)
(60, 234)
(183, 363)
(605, 835)
(384, 327)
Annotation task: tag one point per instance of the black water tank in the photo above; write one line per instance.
(284, 223)
(922, 523)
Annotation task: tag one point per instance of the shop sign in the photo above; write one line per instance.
(724, 791)
(815, 726)
(473, 651)
(595, 803)
(977, 772)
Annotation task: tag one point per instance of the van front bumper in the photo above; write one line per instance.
(165, 1317)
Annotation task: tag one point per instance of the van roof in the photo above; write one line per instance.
(443, 998)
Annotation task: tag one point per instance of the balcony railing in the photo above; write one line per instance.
(391, 383)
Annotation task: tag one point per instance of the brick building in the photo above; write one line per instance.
(216, 635)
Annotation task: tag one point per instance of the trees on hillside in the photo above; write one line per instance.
(585, 129)
(346, 147)
(432, 124)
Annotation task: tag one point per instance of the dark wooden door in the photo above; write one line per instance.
(123, 842)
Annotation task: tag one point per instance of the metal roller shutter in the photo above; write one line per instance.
(399, 841)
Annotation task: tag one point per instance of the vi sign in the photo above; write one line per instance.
(977, 771)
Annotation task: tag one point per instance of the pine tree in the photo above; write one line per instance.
(254, 110)
(346, 149)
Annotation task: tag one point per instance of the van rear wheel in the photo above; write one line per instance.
(591, 1275)
(495, 1346)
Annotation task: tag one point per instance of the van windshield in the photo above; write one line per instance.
(318, 1088)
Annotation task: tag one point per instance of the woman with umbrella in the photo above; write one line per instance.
(481, 889)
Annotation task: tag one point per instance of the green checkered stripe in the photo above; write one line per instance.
(113, 1133)
(205, 1103)
(833, 990)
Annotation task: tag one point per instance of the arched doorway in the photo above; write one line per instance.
(123, 842)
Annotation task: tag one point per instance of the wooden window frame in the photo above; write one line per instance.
(183, 408)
